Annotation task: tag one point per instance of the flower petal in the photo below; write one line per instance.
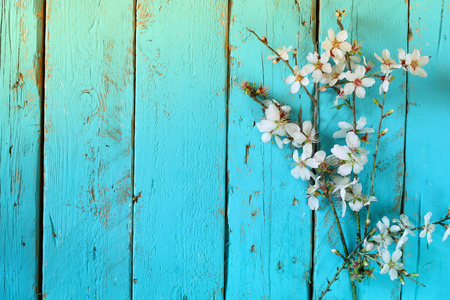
(313, 203)
(345, 170)
(292, 128)
(266, 125)
(352, 140)
(272, 113)
(266, 137)
(360, 92)
(295, 87)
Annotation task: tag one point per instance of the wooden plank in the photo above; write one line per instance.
(180, 95)
(377, 27)
(426, 144)
(88, 190)
(270, 225)
(21, 26)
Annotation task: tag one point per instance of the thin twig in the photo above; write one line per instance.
(375, 155)
(286, 62)
(330, 282)
(344, 244)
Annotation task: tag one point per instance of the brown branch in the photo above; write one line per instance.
(375, 155)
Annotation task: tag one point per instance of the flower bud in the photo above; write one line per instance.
(367, 223)
(414, 274)
(384, 131)
(373, 231)
(388, 113)
(376, 102)
(402, 280)
(337, 253)
(264, 40)
(323, 88)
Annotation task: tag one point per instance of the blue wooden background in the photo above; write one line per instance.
(131, 166)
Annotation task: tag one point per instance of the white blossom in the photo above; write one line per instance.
(346, 127)
(308, 134)
(387, 62)
(337, 73)
(336, 44)
(391, 265)
(282, 52)
(302, 163)
(384, 86)
(318, 66)
(405, 224)
(428, 228)
(415, 62)
(352, 156)
(297, 79)
(402, 240)
(368, 246)
(357, 82)
(356, 200)
(384, 239)
(402, 59)
(340, 184)
(274, 122)
(312, 193)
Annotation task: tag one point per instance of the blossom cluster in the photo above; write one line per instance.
(335, 176)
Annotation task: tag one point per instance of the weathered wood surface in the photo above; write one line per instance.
(156, 182)
(269, 225)
(181, 71)
(87, 155)
(427, 140)
(21, 25)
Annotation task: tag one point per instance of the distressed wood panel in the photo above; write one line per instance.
(180, 95)
(376, 27)
(269, 249)
(88, 111)
(427, 141)
(21, 37)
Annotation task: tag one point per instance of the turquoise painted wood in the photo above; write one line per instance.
(181, 97)
(426, 143)
(88, 149)
(20, 124)
(156, 182)
(376, 27)
(269, 225)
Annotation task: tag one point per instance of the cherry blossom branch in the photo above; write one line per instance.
(346, 260)
(258, 101)
(344, 244)
(358, 221)
(435, 223)
(375, 155)
(286, 62)
(400, 232)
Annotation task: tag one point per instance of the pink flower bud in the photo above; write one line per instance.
(388, 113)
(264, 40)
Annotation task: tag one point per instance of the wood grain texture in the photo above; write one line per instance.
(427, 142)
(269, 250)
(21, 36)
(180, 149)
(376, 27)
(88, 111)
